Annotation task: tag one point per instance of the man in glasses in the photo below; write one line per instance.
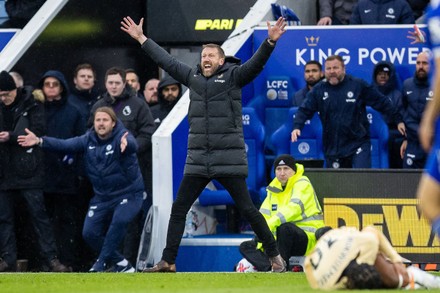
(21, 174)
(63, 120)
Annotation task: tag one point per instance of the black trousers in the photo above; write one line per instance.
(292, 241)
(63, 211)
(40, 221)
(190, 189)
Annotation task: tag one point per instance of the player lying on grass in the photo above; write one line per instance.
(346, 258)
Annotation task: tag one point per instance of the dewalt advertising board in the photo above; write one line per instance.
(383, 198)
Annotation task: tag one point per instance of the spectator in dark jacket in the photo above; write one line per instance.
(22, 174)
(136, 116)
(382, 12)
(20, 12)
(335, 12)
(312, 75)
(169, 93)
(133, 80)
(112, 166)
(418, 8)
(385, 81)
(83, 95)
(341, 101)
(416, 93)
(63, 120)
(150, 91)
(216, 147)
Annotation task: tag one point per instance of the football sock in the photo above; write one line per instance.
(420, 278)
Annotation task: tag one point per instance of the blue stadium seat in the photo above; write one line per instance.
(309, 144)
(379, 139)
(272, 102)
(254, 134)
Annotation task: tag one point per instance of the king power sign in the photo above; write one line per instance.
(361, 47)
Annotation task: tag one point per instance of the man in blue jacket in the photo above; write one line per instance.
(216, 147)
(385, 80)
(382, 12)
(112, 166)
(341, 101)
(416, 93)
(136, 116)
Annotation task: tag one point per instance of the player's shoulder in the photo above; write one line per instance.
(435, 4)
(433, 10)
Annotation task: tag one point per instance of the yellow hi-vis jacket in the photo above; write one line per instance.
(297, 204)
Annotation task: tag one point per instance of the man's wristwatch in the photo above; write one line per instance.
(272, 43)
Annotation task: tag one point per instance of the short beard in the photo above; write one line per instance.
(312, 83)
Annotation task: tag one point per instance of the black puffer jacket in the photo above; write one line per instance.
(215, 142)
(22, 168)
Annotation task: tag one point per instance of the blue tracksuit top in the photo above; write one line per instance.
(112, 173)
(415, 95)
(382, 12)
(342, 110)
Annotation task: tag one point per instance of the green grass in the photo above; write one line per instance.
(151, 283)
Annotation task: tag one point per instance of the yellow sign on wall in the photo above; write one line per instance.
(216, 24)
(399, 219)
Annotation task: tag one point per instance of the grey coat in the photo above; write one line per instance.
(338, 10)
(215, 142)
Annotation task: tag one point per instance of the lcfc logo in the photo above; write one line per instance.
(277, 89)
(271, 94)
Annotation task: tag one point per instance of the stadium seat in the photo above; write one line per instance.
(307, 148)
(309, 144)
(254, 134)
(272, 103)
(379, 139)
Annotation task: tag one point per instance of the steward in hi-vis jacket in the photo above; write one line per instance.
(292, 212)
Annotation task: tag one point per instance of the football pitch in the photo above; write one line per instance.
(152, 283)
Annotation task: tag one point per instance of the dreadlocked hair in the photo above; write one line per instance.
(362, 276)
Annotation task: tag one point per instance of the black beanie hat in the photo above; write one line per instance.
(285, 160)
(7, 83)
(383, 68)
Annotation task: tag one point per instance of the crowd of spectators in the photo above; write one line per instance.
(356, 12)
